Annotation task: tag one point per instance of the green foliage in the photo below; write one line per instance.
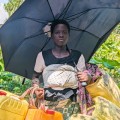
(108, 55)
(13, 83)
(12, 6)
(10, 81)
(117, 29)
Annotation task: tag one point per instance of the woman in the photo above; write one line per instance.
(64, 70)
(57, 87)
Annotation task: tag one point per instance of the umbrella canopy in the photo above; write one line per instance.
(22, 37)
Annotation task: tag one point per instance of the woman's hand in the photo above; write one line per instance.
(39, 92)
(84, 76)
(35, 82)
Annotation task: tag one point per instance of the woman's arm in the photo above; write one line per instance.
(39, 66)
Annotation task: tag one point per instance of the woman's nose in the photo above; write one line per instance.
(61, 35)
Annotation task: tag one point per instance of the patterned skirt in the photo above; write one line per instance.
(66, 107)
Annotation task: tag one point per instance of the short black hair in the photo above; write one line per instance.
(59, 21)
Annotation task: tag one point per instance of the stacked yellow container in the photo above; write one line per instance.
(12, 108)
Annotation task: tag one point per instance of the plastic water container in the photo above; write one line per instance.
(12, 108)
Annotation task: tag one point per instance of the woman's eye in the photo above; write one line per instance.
(65, 32)
(57, 32)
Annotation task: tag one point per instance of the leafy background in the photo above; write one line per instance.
(107, 58)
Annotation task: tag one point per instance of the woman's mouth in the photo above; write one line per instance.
(61, 40)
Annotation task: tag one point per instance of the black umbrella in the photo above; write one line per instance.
(22, 36)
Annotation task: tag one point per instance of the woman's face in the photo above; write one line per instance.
(60, 35)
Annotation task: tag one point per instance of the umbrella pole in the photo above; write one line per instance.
(82, 91)
(82, 95)
(83, 105)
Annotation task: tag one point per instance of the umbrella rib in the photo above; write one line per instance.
(81, 13)
(51, 10)
(20, 45)
(77, 29)
(92, 21)
(36, 20)
(34, 35)
(65, 9)
(45, 44)
(33, 19)
(70, 2)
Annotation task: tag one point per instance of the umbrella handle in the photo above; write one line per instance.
(23, 81)
(84, 84)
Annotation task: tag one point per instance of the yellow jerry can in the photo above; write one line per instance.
(12, 108)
